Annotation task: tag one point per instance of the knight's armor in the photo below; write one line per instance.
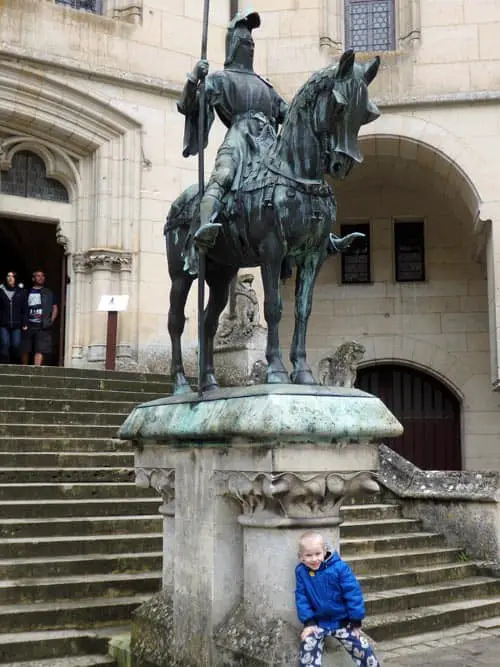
(248, 106)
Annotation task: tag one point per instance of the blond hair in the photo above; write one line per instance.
(310, 535)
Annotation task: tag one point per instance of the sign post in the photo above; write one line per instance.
(112, 304)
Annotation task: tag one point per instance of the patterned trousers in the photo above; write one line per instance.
(311, 649)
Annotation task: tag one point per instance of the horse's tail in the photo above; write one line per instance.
(183, 209)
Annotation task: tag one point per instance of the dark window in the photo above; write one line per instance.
(409, 251)
(369, 25)
(27, 177)
(355, 261)
(94, 6)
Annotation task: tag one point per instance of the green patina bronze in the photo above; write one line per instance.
(267, 202)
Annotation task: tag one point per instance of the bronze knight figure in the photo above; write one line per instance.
(248, 106)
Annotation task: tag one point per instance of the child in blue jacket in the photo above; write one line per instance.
(329, 601)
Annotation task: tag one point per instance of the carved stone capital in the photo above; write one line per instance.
(162, 481)
(289, 499)
(102, 259)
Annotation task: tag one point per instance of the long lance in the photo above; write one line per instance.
(202, 259)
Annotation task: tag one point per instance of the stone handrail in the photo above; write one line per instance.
(464, 506)
(407, 481)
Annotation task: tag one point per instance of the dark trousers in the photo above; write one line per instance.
(311, 649)
(10, 345)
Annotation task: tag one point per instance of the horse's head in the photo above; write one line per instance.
(342, 107)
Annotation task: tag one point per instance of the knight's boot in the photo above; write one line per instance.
(206, 236)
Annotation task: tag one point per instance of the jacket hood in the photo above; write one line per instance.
(331, 558)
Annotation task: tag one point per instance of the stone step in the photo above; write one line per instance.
(78, 545)
(39, 460)
(64, 475)
(430, 619)
(395, 561)
(64, 371)
(64, 418)
(71, 382)
(52, 644)
(71, 491)
(376, 527)
(63, 443)
(96, 525)
(32, 509)
(67, 614)
(418, 576)
(403, 599)
(31, 590)
(370, 512)
(102, 564)
(79, 394)
(78, 661)
(23, 430)
(62, 405)
(369, 544)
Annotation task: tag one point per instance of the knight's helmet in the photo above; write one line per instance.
(247, 17)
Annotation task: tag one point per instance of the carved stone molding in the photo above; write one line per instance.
(63, 240)
(288, 499)
(102, 259)
(162, 481)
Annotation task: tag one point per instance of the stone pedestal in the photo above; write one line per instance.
(250, 469)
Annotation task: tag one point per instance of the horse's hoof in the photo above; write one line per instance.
(209, 383)
(182, 388)
(277, 377)
(303, 377)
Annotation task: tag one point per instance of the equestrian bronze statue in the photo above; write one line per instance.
(268, 202)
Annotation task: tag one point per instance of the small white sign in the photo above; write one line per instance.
(113, 303)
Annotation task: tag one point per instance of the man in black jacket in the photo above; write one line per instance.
(42, 313)
(13, 319)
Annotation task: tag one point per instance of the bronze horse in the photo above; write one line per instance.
(282, 215)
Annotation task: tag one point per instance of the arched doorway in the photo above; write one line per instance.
(428, 410)
(25, 246)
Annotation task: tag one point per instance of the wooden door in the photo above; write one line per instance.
(428, 410)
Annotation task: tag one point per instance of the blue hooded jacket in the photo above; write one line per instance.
(330, 596)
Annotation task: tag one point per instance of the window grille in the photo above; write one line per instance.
(94, 6)
(27, 177)
(370, 25)
(409, 249)
(356, 260)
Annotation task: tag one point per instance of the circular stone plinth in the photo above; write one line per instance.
(264, 413)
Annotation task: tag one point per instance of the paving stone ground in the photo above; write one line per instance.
(474, 645)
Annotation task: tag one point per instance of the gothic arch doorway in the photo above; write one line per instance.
(428, 410)
(27, 245)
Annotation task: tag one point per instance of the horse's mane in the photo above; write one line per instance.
(307, 94)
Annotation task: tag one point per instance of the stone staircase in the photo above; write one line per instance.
(413, 582)
(80, 544)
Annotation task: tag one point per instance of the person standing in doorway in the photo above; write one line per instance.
(42, 313)
(13, 319)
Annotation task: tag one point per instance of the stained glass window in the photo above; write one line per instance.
(27, 177)
(356, 261)
(409, 249)
(369, 25)
(94, 6)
